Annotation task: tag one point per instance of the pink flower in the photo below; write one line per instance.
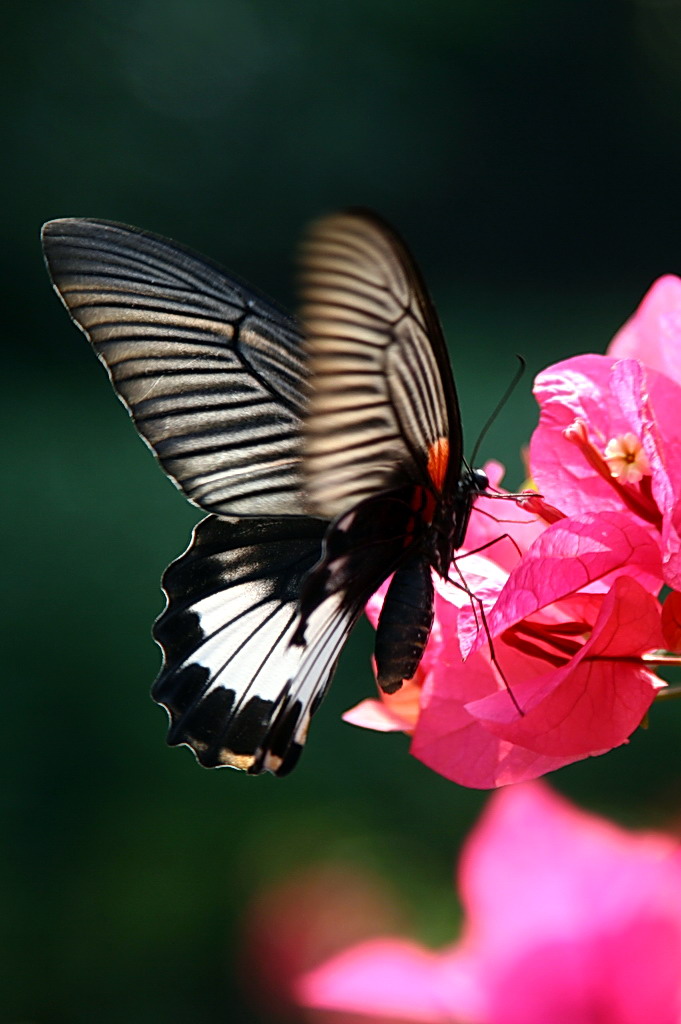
(570, 623)
(569, 594)
(569, 920)
(609, 435)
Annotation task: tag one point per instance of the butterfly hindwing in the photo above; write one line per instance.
(211, 372)
(383, 410)
(237, 690)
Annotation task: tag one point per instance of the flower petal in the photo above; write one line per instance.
(594, 702)
(570, 555)
(651, 404)
(378, 715)
(384, 977)
(573, 919)
(671, 622)
(453, 743)
(653, 333)
(537, 864)
(575, 389)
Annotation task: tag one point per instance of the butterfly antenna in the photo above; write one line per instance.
(499, 406)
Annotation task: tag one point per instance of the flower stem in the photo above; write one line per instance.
(669, 693)
(661, 659)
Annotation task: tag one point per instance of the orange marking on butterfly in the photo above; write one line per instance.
(438, 457)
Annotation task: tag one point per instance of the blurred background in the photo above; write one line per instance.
(531, 155)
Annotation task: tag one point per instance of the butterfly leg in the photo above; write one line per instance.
(474, 599)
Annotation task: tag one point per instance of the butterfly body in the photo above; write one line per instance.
(328, 458)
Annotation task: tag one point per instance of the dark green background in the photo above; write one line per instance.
(530, 152)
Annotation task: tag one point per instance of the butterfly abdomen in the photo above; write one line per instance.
(405, 624)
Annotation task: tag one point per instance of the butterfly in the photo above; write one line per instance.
(327, 452)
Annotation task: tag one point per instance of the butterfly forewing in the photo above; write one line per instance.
(237, 690)
(211, 372)
(383, 409)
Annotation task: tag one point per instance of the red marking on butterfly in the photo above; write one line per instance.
(438, 458)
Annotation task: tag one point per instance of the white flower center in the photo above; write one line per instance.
(626, 459)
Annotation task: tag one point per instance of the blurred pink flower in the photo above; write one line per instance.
(295, 923)
(570, 621)
(569, 920)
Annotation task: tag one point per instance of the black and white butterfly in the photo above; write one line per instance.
(328, 456)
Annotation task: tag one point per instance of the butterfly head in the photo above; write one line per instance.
(472, 482)
(475, 481)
